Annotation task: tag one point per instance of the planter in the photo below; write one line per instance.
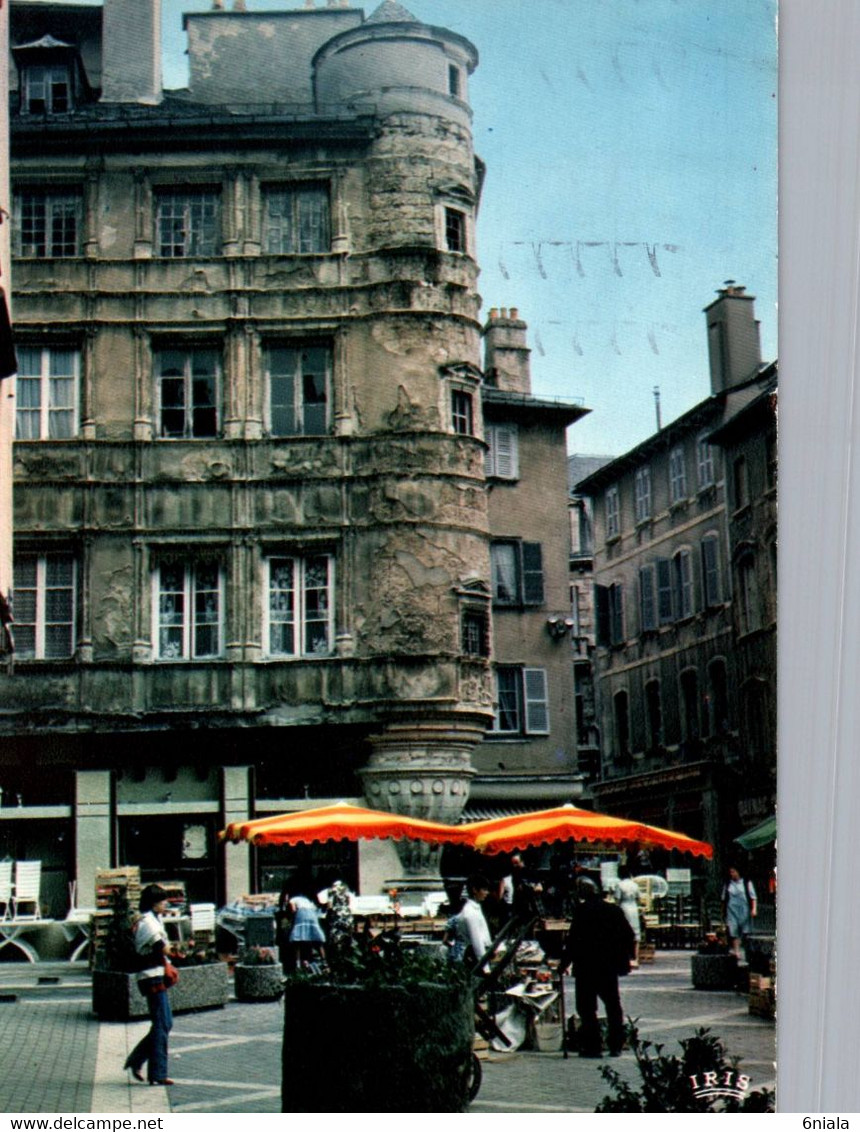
(377, 1048)
(261, 982)
(117, 999)
(714, 972)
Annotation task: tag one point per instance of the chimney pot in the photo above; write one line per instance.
(504, 312)
(515, 313)
(239, 6)
(494, 313)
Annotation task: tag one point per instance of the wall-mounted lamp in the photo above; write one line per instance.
(558, 626)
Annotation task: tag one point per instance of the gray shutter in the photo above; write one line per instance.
(664, 591)
(647, 609)
(532, 573)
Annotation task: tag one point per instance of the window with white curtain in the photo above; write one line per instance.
(300, 605)
(46, 393)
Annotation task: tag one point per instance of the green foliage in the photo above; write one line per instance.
(383, 960)
(667, 1083)
(256, 956)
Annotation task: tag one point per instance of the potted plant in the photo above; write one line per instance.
(683, 1084)
(399, 1023)
(258, 975)
(713, 966)
(203, 980)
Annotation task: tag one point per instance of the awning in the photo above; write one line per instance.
(759, 835)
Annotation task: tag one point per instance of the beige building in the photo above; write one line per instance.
(260, 474)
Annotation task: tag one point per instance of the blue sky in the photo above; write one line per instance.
(631, 169)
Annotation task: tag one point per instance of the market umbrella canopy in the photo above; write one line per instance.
(341, 822)
(569, 823)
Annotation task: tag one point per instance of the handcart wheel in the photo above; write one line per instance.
(476, 1074)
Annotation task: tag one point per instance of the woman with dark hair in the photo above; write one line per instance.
(150, 943)
(739, 908)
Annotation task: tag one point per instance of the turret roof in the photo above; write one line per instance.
(390, 12)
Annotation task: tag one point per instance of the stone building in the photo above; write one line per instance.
(685, 656)
(258, 466)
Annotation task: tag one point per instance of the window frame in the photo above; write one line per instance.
(462, 412)
(527, 705)
(58, 205)
(300, 407)
(189, 625)
(49, 84)
(642, 494)
(47, 411)
(300, 563)
(189, 408)
(297, 197)
(529, 580)
(455, 229)
(198, 243)
(740, 483)
(475, 631)
(40, 623)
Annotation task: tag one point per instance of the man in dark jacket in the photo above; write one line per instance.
(598, 947)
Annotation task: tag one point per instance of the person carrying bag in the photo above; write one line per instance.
(156, 974)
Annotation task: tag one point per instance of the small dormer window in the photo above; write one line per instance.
(47, 89)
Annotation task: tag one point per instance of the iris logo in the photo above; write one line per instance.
(728, 1084)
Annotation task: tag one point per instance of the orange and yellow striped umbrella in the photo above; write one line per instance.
(569, 823)
(341, 822)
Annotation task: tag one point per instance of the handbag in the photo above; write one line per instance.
(171, 975)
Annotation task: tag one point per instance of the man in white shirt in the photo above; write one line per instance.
(470, 925)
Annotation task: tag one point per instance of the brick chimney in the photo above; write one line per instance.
(131, 51)
(506, 355)
(734, 348)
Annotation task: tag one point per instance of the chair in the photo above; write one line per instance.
(6, 889)
(28, 880)
(203, 922)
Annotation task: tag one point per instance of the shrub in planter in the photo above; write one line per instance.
(398, 1026)
(259, 977)
(203, 982)
(678, 1084)
(713, 967)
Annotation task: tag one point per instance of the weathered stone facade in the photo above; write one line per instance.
(266, 503)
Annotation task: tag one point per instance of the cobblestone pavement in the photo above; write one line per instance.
(56, 1057)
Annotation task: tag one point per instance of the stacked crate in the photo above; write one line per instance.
(762, 995)
(110, 884)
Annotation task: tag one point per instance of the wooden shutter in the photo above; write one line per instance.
(664, 590)
(532, 573)
(647, 608)
(537, 704)
(710, 572)
(601, 614)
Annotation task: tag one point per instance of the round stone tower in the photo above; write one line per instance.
(420, 547)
